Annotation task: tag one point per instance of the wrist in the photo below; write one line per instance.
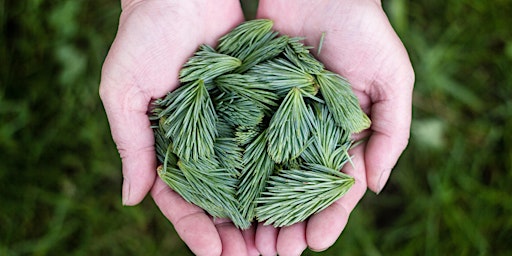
(379, 2)
(126, 3)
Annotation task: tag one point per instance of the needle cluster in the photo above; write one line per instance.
(258, 129)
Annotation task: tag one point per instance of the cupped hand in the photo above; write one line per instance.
(361, 45)
(155, 37)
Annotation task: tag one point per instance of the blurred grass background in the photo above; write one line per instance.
(60, 179)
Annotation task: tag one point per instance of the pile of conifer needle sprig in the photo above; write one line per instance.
(258, 129)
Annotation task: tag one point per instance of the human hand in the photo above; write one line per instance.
(361, 45)
(154, 39)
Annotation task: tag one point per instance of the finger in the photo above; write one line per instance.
(391, 120)
(266, 239)
(292, 239)
(324, 228)
(130, 127)
(191, 223)
(233, 242)
(249, 237)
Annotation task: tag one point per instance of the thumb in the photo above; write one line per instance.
(391, 120)
(126, 107)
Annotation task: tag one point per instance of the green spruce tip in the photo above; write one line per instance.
(192, 122)
(216, 184)
(281, 75)
(208, 183)
(297, 53)
(162, 143)
(170, 173)
(292, 196)
(329, 143)
(289, 128)
(249, 87)
(206, 65)
(268, 48)
(246, 134)
(245, 38)
(257, 167)
(229, 154)
(178, 182)
(238, 111)
(342, 102)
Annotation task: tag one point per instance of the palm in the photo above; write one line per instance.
(361, 45)
(154, 39)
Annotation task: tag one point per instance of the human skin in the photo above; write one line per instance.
(360, 44)
(155, 37)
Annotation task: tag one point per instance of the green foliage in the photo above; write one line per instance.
(248, 87)
(246, 134)
(282, 75)
(239, 111)
(246, 38)
(216, 185)
(342, 102)
(231, 154)
(289, 128)
(256, 163)
(299, 55)
(267, 49)
(290, 195)
(265, 123)
(329, 143)
(191, 121)
(206, 64)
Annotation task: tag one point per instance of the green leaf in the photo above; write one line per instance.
(329, 144)
(217, 185)
(300, 56)
(236, 110)
(206, 65)
(258, 166)
(248, 87)
(245, 38)
(266, 49)
(342, 102)
(176, 180)
(289, 128)
(294, 163)
(191, 124)
(291, 196)
(229, 155)
(246, 134)
(224, 129)
(170, 173)
(163, 145)
(282, 75)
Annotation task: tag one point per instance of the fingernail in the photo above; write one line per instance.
(126, 191)
(384, 175)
